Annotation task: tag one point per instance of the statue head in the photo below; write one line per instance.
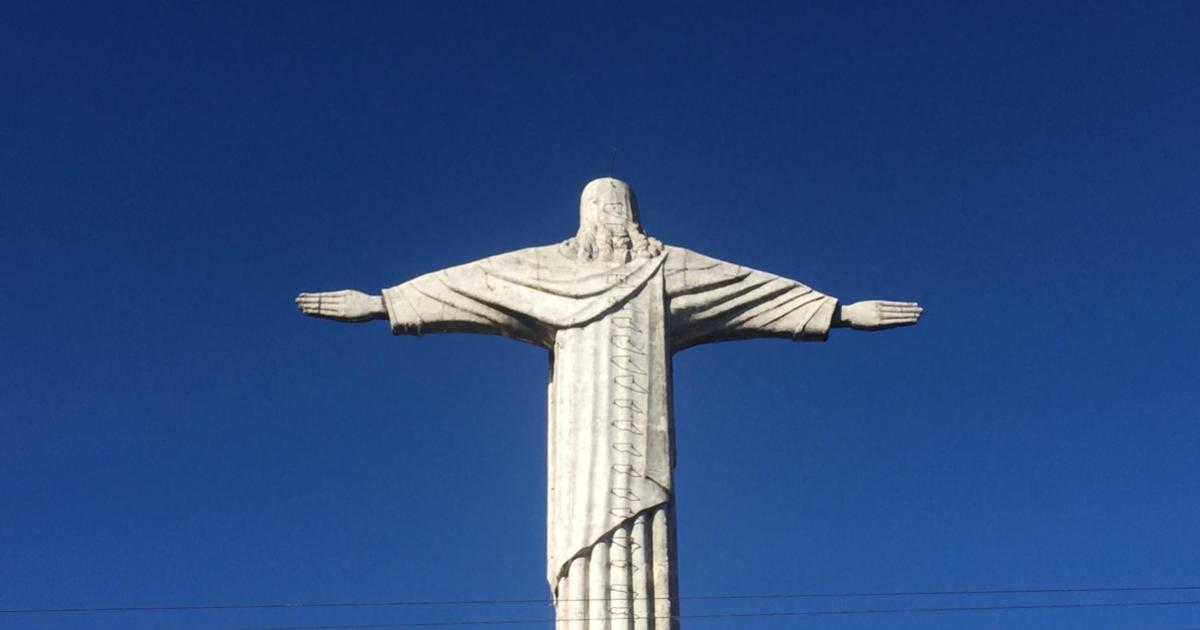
(607, 200)
(609, 229)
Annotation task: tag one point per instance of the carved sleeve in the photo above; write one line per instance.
(711, 300)
(448, 301)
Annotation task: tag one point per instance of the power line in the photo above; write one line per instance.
(1009, 591)
(545, 601)
(794, 613)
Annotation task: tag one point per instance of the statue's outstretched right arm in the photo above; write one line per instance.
(452, 300)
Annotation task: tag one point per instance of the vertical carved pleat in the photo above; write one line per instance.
(598, 587)
(640, 573)
(577, 594)
(619, 605)
(660, 558)
(560, 605)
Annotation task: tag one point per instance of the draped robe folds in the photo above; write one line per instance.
(611, 329)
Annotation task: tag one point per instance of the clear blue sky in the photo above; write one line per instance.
(172, 431)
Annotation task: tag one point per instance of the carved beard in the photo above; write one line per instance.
(610, 242)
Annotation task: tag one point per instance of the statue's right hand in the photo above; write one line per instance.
(344, 306)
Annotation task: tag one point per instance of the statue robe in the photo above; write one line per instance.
(611, 330)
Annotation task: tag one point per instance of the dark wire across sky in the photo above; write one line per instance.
(708, 597)
(745, 613)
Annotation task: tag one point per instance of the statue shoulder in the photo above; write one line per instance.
(530, 260)
(680, 258)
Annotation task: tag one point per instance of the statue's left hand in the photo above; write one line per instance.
(344, 306)
(880, 314)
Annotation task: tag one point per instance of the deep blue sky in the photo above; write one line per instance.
(172, 431)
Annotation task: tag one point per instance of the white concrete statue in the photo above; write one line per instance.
(612, 305)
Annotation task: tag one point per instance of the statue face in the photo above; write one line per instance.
(607, 201)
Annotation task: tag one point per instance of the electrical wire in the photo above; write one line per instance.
(750, 615)
(545, 601)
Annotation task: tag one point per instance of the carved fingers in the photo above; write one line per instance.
(898, 313)
(328, 304)
(347, 305)
(882, 314)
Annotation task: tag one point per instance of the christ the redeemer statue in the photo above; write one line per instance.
(612, 306)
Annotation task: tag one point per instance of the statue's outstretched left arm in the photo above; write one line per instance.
(712, 300)
(876, 315)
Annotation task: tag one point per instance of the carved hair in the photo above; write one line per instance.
(609, 229)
